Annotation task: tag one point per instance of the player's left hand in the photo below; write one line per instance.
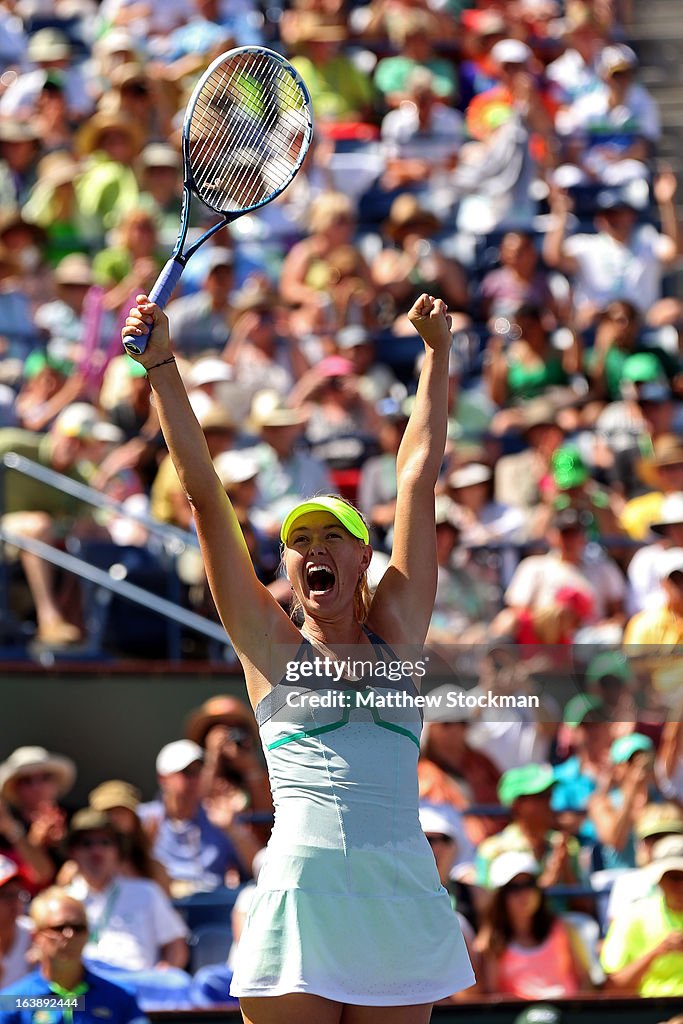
(429, 317)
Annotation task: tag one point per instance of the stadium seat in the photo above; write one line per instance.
(111, 621)
(203, 908)
(209, 944)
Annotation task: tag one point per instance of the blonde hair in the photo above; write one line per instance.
(362, 596)
(326, 208)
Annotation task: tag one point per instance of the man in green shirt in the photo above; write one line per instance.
(643, 949)
(40, 512)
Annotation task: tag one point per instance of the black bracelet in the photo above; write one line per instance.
(164, 362)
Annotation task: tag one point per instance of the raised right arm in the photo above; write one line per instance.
(251, 616)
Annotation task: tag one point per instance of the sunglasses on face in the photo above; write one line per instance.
(91, 844)
(32, 780)
(674, 876)
(76, 928)
(192, 770)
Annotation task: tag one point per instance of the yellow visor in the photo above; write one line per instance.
(346, 514)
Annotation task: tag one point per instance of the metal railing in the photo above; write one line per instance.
(171, 541)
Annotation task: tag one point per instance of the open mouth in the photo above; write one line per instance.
(319, 579)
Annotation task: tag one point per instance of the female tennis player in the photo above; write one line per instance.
(349, 923)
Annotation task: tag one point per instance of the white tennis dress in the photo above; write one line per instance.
(348, 903)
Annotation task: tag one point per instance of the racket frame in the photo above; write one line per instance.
(173, 269)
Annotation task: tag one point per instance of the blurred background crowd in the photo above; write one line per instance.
(507, 157)
(560, 844)
(502, 156)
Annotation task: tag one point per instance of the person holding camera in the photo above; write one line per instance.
(226, 731)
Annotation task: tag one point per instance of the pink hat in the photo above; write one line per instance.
(335, 366)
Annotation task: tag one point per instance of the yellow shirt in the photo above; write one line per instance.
(639, 512)
(632, 934)
(658, 626)
(166, 483)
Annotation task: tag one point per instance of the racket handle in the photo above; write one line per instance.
(161, 292)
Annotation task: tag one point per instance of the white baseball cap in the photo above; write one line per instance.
(469, 475)
(508, 865)
(440, 819)
(235, 468)
(511, 51)
(176, 756)
(209, 371)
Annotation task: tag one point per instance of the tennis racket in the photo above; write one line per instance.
(246, 131)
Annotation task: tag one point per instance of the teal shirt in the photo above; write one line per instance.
(393, 73)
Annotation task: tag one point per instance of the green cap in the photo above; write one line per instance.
(626, 746)
(642, 368)
(347, 515)
(524, 781)
(569, 469)
(579, 706)
(37, 361)
(608, 663)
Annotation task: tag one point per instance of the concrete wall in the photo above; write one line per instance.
(111, 725)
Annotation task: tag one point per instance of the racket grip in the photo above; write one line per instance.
(161, 292)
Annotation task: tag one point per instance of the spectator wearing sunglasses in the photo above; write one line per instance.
(132, 923)
(200, 842)
(15, 933)
(527, 951)
(61, 932)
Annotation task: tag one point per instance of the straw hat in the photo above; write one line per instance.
(114, 793)
(268, 409)
(27, 761)
(255, 296)
(667, 451)
(312, 27)
(57, 169)
(88, 137)
(74, 269)
(406, 213)
(125, 74)
(220, 710)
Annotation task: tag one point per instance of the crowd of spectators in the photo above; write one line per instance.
(504, 157)
(560, 844)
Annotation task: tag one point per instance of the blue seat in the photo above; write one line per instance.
(209, 944)
(113, 623)
(207, 908)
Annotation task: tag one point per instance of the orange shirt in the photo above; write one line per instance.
(490, 109)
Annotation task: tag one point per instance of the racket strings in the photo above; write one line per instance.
(243, 129)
